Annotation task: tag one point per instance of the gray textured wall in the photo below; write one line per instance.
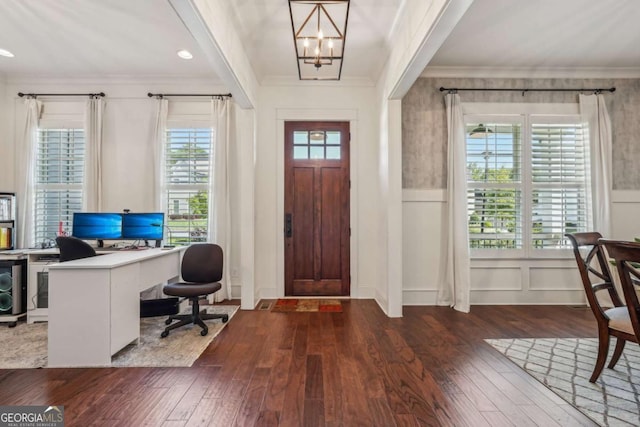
(424, 133)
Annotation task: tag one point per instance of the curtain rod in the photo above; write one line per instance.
(596, 90)
(162, 95)
(35, 95)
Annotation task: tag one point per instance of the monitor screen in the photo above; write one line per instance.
(97, 225)
(143, 225)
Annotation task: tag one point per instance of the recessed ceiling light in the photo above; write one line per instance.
(185, 54)
(4, 52)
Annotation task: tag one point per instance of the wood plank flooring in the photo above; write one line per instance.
(356, 368)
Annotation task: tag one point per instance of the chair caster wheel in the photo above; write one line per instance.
(13, 324)
(164, 334)
(204, 332)
(167, 322)
(225, 318)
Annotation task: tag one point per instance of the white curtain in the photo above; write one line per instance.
(92, 183)
(454, 285)
(594, 113)
(219, 198)
(26, 173)
(159, 142)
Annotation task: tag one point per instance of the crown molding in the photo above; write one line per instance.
(294, 81)
(115, 79)
(532, 72)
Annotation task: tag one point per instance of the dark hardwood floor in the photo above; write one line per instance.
(356, 368)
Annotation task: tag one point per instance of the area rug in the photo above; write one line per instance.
(25, 346)
(564, 365)
(309, 305)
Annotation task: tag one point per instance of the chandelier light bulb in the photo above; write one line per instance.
(330, 43)
(317, 51)
(306, 42)
(320, 34)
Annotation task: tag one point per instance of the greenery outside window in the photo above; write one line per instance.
(527, 183)
(187, 170)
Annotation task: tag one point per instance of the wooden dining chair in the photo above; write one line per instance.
(627, 258)
(593, 265)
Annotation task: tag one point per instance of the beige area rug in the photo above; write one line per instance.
(564, 365)
(25, 346)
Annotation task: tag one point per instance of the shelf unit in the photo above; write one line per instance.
(13, 265)
(7, 220)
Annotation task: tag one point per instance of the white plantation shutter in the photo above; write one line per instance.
(494, 186)
(528, 183)
(559, 158)
(58, 182)
(187, 161)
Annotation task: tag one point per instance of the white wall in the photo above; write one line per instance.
(301, 101)
(127, 144)
(532, 281)
(6, 147)
(419, 30)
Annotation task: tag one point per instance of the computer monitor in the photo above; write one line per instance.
(143, 226)
(97, 226)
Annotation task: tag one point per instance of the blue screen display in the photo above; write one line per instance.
(97, 225)
(147, 226)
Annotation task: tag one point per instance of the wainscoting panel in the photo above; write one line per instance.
(555, 278)
(495, 281)
(496, 278)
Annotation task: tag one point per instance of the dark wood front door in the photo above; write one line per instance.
(316, 206)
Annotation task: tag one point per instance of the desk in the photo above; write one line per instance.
(94, 303)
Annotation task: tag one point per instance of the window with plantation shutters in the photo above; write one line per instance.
(527, 182)
(559, 176)
(59, 170)
(494, 185)
(187, 168)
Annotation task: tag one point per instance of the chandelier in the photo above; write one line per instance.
(319, 34)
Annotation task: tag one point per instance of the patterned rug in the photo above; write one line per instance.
(25, 346)
(564, 365)
(323, 305)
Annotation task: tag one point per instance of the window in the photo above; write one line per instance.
(187, 166)
(527, 182)
(316, 145)
(58, 181)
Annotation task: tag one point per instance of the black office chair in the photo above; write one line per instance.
(73, 248)
(201, 271)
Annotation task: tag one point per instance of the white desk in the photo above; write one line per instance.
(94, 303)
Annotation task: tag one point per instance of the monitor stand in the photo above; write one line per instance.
(100, 243)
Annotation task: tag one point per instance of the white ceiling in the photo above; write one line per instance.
(100, 38)
(96, 38)
(265, 30)
(545, 34)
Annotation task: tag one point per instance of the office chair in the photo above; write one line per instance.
(73, 248)
(201, 271)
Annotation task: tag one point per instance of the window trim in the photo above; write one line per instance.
(483, 112)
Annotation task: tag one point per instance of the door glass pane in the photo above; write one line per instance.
(300, 153)
(300, 137)
(333, 153)
(317, 137)
(317, 152)
(333, 138)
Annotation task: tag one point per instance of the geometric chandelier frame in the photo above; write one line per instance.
(319, 30)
